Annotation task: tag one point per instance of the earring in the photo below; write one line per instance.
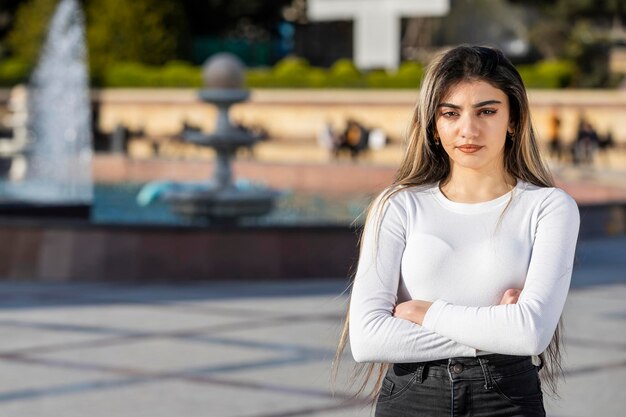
(436, 140)
(511, 136)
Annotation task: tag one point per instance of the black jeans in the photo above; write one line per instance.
(490, 385)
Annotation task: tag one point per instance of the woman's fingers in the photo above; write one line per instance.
(412, 310)
(510, 296)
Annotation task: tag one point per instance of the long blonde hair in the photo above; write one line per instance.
(425, 162)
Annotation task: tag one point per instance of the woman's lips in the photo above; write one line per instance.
(469, 148)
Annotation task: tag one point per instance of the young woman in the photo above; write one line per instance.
(466, 259)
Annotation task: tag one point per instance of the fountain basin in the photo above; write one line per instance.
(229, 140)
(222, 204)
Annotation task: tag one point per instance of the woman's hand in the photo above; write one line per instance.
(510, 296)
(415, 310)
(412, 310)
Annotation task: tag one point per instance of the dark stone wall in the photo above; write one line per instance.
(64, 250)
(79, 252)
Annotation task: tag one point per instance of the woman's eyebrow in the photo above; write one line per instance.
(481, 104)
(452, 106)
(486, 103)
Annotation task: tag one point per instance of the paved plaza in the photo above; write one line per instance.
(262, 349)
(251, 349)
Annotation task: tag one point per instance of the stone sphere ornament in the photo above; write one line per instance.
(223, 71)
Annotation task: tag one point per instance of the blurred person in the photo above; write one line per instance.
(327, 138)
(554, 137)
(586, 143)
(354, 138)
(466, 258)
(605, 143)
(377, 139)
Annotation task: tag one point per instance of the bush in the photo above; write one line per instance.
(548, 74)
(134, 74)
(377, 79)
(148, 31)
(293, 72)
(181, 74)
(317, 78)
(13, 71)
(129, 74)
(290, 72)
(259, 78)
(408, 76)
(560, 72)
(29, 29)
(344, 73)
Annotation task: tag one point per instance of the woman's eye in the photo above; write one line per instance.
(488, 111)
(449, 114)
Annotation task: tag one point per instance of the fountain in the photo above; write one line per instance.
(58, 173)
(222, 200)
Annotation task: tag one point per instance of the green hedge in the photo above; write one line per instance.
(548, 74)
(291, 72)
(297, 73)
(294, 72)
(13, 71)
(172, 74)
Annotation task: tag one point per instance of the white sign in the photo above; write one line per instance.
(376, 25)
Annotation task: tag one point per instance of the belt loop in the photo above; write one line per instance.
(540, 363)
(483, 365)
(420, 373)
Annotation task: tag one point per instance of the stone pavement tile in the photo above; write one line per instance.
(303, 373)
(305, 332)
(599, 293)
(20, 380)
(282, 297)
(598, 394)
(172, 293)
(595, 355)
(596, 317)
(359, 411)
(159, 355)
(19, 335)
(586, 360)
(284, 304)
(115, 319)
(166, 399)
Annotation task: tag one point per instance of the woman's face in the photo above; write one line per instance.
(472, 122)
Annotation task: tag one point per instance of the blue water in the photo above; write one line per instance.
(116, 204)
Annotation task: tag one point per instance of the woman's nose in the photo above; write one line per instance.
(469, 127)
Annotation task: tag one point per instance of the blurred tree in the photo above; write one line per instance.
(29, 29)
(7, 15)
(147, 31)
(252, 19)
(579, 30)
(255, 30)
(491, 22)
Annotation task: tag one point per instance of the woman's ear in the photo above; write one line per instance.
(511, 130)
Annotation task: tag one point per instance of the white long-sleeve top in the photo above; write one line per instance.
(462, 257)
